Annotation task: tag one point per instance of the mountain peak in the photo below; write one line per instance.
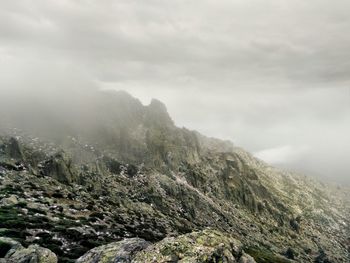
(157, 114)
(157, 104)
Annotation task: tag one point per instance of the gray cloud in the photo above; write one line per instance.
(273, 76)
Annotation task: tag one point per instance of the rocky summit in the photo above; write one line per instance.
(111, 180)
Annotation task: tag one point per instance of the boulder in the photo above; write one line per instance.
(11, 200)
(203, 246)
(121, 252)
(32, 254)
(7, 245)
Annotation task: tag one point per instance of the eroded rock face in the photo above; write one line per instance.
(11, 155)
(60, 167)
(14, 149)
(121, 252)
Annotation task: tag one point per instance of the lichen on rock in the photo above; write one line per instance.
(203, 246)
(121, 252)
(12, 251)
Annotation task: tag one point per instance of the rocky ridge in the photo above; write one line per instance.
(131, 173)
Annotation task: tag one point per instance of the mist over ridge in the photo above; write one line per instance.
(259, 74)
(55, 110)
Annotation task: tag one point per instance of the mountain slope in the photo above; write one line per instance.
(110, 168)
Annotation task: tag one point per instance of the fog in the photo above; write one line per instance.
(272, 76)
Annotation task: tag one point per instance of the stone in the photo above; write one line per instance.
(11, 200)
(7, 245)
(121, 252)
(32, 254)
(245, 258)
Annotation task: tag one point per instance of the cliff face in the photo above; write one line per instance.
(116, 169)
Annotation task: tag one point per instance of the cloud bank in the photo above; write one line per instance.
(272, 76)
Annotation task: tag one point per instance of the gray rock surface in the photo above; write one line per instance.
(11, 200)
(121, 252)
(203, 246)
(13, 252)
(32, 254)
(8, 246)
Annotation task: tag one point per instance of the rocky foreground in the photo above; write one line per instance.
(129, 186)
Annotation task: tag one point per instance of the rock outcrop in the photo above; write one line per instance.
(117, 169)
(60, 167)
(205, 246)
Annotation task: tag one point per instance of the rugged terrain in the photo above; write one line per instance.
(113, 172)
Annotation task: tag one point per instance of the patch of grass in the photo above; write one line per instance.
(14, 233)
(10, 219)
(33, 211)
(9, 190)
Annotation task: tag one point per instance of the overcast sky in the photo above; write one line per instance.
(273, 76)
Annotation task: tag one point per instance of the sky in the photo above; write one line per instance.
(272, 76)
